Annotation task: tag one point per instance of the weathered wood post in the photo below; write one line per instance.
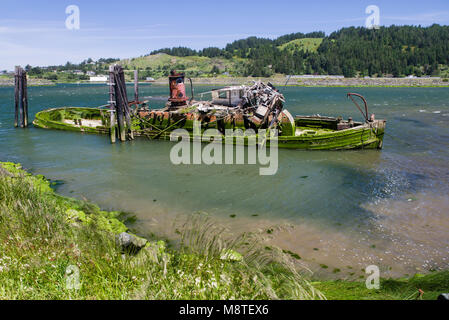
(136, 86)
(25, 99)
(112, 103)
(120, 104)
(19, 85)
(16, 97)
(21, 98)
(126, 109)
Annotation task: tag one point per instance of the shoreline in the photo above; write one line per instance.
(53, 234)
(32, 82)
(80, 216)
(325, 82)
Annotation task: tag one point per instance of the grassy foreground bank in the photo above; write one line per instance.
(54, 247)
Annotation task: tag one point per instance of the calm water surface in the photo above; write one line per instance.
(342, 209)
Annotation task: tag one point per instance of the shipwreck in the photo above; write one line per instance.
(255, 108)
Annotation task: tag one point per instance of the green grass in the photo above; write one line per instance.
(43, 234)
(390, 289)
(306, 44)
(161, 64)
(444, 71)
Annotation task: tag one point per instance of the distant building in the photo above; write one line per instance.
(78, 72)
(90, 73)
(149, 79)
(98, 79)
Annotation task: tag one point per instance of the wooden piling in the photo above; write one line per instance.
(16, 97)
(118, 95)
(120, 103)
(21, 111)
(120, 119)
(25, 99)
(126, 110)
(20, 98)
(136, 86)
(112, 104)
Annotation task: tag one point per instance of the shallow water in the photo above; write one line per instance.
(345, 210)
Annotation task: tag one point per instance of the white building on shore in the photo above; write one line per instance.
(99, 79)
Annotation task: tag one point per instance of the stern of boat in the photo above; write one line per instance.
(378, 127)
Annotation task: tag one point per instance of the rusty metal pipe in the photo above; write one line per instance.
(191, 89)
(365, 115)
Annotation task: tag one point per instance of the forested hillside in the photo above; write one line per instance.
(389, 51)
(394, 50)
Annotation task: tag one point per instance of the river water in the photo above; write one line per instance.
(340, 211)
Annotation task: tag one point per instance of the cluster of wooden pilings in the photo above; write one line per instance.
(119, 105)
(21, 98)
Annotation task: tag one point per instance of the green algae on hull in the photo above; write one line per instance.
(315, 133)
(69, 118)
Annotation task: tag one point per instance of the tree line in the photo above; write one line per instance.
(394, 50)
(354, 51)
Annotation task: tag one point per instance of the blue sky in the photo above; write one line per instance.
(34, 32)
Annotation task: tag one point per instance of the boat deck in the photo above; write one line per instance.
(307, 131)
